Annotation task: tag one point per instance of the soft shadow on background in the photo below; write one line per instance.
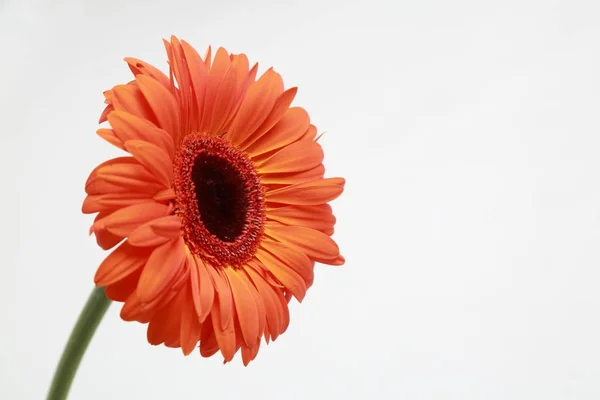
(468, 132)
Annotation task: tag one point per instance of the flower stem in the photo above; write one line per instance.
(82, 334)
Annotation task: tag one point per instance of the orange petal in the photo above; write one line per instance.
(245, 306)
(129, 177)
(198, 74)
(311, 133)
(147, 236)
(256, 106)
(126, 220)
(207, 59)
(317, 217)
(111, 201)
(123, 261)
(168, 227)
(264, 272)
(164, 195)
(121, 290)
(308, 193)
(293, 178)
(300, 156)
(178, 68)
(107, 110)
(246, 78)
(289, 129)
(225, 336)
(284, 273)
(130, 98)
(122, 186)
(260, 307)
(163, 104)
(339, 260)
(250, 353)
(112, 161)
(208, 340)
(156, 331)
(154, 158)
(136, 310)
(293, 258)
(138, 67)
(107, 240)
(190, 326)
(110, 137)
(313, 243)
(224, 296)
(216, 74)
(273, 313)
(133, 310)
(284, 300)
(164, 327)
(104, 238)
(101, 180)
(129, 127)
(229, 94)
(280, 107)
(203, 290)
(161, 267)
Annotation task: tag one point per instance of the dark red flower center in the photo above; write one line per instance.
(221, 196)
(220, 200)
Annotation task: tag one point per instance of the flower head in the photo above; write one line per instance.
(219, 209)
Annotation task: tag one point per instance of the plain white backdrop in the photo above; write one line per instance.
(468, 132)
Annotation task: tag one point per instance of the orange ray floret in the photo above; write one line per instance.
(218, 211)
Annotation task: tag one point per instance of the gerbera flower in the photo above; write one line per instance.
(219, 210)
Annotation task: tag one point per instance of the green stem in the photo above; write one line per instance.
(82, 334)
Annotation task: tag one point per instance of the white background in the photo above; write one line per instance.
(468, 132)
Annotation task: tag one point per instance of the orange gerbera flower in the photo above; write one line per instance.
(220, 207)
